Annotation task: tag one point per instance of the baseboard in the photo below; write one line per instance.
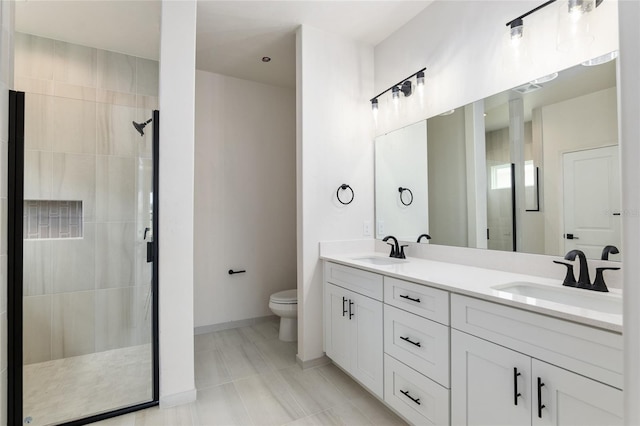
(323, 360)
(204, 329)
(180, 398)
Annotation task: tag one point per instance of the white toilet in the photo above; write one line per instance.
(285, 305)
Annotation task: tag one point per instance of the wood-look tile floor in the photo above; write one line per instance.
(246, 376)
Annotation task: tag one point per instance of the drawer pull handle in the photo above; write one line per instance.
(540, 404)
(350, 305)
(404, 296)
(406, 339)
(406, 393)
(344, 310)
(516, 394)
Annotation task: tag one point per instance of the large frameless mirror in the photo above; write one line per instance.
(552, 177)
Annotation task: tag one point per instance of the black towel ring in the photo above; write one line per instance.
(401, 191)
(344, 187)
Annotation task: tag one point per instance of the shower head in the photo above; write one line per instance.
(140, 126)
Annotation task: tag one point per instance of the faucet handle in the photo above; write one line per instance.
(598, 284)
(401, 255)
(569, 279)
(393, 250)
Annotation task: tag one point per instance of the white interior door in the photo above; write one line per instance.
(591, 200)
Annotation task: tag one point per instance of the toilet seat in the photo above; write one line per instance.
(286, 297)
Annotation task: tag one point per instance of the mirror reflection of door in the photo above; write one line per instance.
(591, 200)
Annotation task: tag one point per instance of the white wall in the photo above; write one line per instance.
(629, 111)
(334, 146)
(175, 239)
(6, 83)
(464, 46)
(245, 197)
(446, 145)
(401, 161)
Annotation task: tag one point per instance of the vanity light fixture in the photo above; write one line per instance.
(576, 9)
(516, 30)
(404, 86)
(395, 93)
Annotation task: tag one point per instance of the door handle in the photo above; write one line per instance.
(516, 394)
(150, 252)
(344, 310)
(540, 404)
(350, 305)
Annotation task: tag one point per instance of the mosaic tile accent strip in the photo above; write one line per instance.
(44, 219)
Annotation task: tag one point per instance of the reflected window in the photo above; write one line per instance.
(529, 173)
(501, 176)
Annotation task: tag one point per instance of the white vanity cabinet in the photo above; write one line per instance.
(353, 324)
(492, 384)
(441, 358)
(416, 346)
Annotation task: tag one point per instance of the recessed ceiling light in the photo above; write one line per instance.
(266, 59)
(601, 59)
(545, 79)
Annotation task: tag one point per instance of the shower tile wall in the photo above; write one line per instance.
(88, 294)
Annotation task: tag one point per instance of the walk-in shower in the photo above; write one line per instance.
(83, 317)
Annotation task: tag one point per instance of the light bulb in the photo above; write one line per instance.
(516, 31)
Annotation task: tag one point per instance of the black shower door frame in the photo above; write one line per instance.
(15, 270)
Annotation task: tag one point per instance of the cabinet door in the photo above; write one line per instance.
(484, 390)
(571, 399)
(337, 325)
(366, 342)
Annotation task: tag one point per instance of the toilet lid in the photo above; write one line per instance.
(286, 296)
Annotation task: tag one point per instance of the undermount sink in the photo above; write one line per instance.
(594, 301)
(375, 260)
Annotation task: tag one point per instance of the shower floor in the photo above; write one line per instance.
(76, 387)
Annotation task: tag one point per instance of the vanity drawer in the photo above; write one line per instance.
(418, 399)
(362, 282)
(589, 351)
(425, 301)
(420, 343)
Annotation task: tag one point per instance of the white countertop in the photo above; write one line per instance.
(478, 282)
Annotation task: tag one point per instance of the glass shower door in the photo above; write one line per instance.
(88, 301)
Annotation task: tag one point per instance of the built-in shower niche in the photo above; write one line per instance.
(48, 219)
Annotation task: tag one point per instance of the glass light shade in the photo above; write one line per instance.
(574, 24)
(516, 31)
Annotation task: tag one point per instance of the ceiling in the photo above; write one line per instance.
(131, 27)
(232, 36)
(570, 83)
